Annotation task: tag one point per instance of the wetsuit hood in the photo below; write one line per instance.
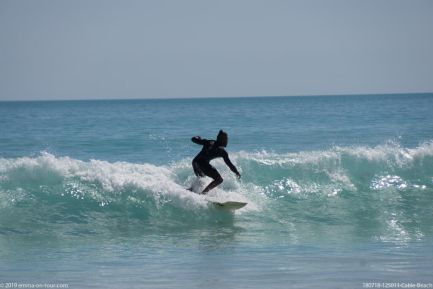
(222, 138)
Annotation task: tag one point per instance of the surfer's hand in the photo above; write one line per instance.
(238, 175)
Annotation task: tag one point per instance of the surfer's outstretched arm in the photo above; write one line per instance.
(231, 165)
(198, 140)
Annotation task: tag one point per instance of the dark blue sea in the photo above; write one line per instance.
(339, 192)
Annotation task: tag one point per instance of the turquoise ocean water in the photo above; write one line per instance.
(339, 192)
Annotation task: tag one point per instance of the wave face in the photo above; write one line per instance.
(381, 192)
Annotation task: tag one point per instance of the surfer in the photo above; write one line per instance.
(212, 149)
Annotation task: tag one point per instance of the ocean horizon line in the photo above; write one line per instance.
(217, 97)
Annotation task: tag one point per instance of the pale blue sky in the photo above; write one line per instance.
(152, 49)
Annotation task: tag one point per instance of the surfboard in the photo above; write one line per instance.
(230, 205)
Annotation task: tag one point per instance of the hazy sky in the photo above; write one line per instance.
(150, 49)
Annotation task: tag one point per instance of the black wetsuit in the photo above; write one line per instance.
(211, 150)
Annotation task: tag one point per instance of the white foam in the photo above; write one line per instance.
(389, 152)
(170, 181)
(112, 177)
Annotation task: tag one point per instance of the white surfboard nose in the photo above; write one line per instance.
(231, 205)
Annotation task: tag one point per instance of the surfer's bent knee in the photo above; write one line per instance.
(219, 180)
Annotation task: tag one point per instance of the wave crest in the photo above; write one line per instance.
(331, 186)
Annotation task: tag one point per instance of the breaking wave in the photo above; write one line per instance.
(384, 191)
